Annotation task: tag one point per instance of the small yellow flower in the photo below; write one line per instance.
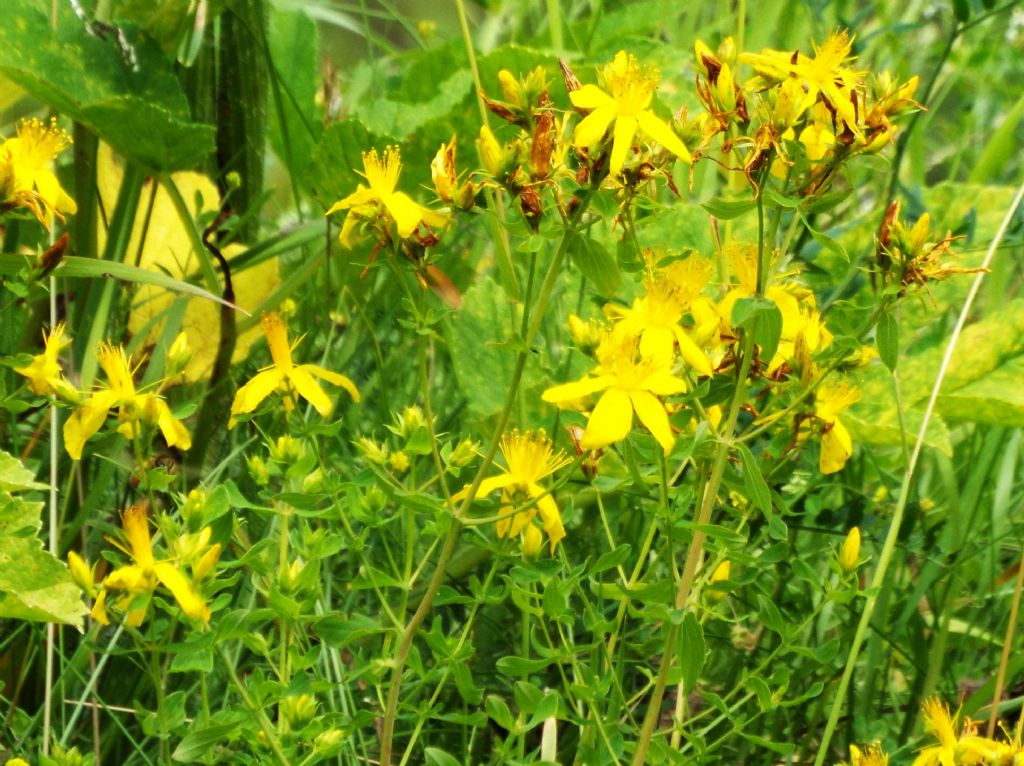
(849, 555)
(631, 384)
(299, 379)
(25, 177)
(133, 407)
(625, 109)
(366, 204)
(872, 755)
(44, 373)
(836, 444)
(656, 316)
(136, 582)
(824, 76)
(529, 459)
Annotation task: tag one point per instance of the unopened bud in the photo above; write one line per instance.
(463, 454)
(373, 451)
(398, 462)
(849, 555)
(258, 469)
(81, 573)
(298, 710)
(328, 743)
(532, 541)
(178, 356)
(491, 152)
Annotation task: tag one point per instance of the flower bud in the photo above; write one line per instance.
(81, 573)
(411, 421)
(849, 555)
(373, 451)
(510, 88)
(398, 462)
(258, 469)
(720, 575)
(287, 449)
(298, 710)
(491, 152)
(463, 454)
(328, 743)
(532, 541)
(207, 562)
(178, 356)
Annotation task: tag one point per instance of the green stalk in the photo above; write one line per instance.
(452, 537)
(889, 546)
(257, 712)
(694, 554)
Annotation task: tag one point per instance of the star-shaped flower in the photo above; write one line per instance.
(626, 108)
(283, 373)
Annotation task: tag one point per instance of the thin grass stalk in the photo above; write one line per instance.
(889, 546)
(1004, 658)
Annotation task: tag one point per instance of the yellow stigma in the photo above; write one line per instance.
(630, 86)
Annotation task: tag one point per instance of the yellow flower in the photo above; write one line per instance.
(872, 755)
(529, 459)
(283, 373)
(44, 373)
(25, 177)
(626, 109)
(631, 383)
(135, 583)
(656, 316)
(365, 204)
(836, 444)
(823, 76)
(133, 407)
(849, 555)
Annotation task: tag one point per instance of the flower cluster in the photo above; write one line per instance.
(799, 116)
(25, 177)
(130, 588)
(138, 412)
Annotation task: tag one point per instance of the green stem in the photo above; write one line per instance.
(694, 553)
(264, 723)
(452, 537)
(889, 546)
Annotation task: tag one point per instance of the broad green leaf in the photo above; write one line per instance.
(596, 263)
(996, 398)
(521, 666)
(876, 423)
(295, 125)
(762, 318)
(141, 112)
(437, 757)
(34, 585)
(15, 477)
(611, 559)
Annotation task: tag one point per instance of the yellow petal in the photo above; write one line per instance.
(654, 128)
(570, 392)
(590, 97)
(487, 486)
(692, 354)
(136, 529)
(652, 414)
(256, 390)
(625, 131)
(592, 128)
(610, 421)
(307, 387)
(174, 430)
(836, 448)
(335, 378)
(361, 196)
(407, 214)
(99, 609)
(185, 594)
(550, 517)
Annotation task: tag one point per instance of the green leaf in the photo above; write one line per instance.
(499, 712)
(762, 318)
(338, 631)
(611, 559)
(725, 208)
(764, 694)
(997, 398)
(782, 748)
(34, 585)
(692, 651)
(199, 743)
(14, 477)
(757, 489)
(596, 263)
(770, 615)
(521, 666)
(338, 159)
(141, 112)
(437, 757)
(887, 338)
